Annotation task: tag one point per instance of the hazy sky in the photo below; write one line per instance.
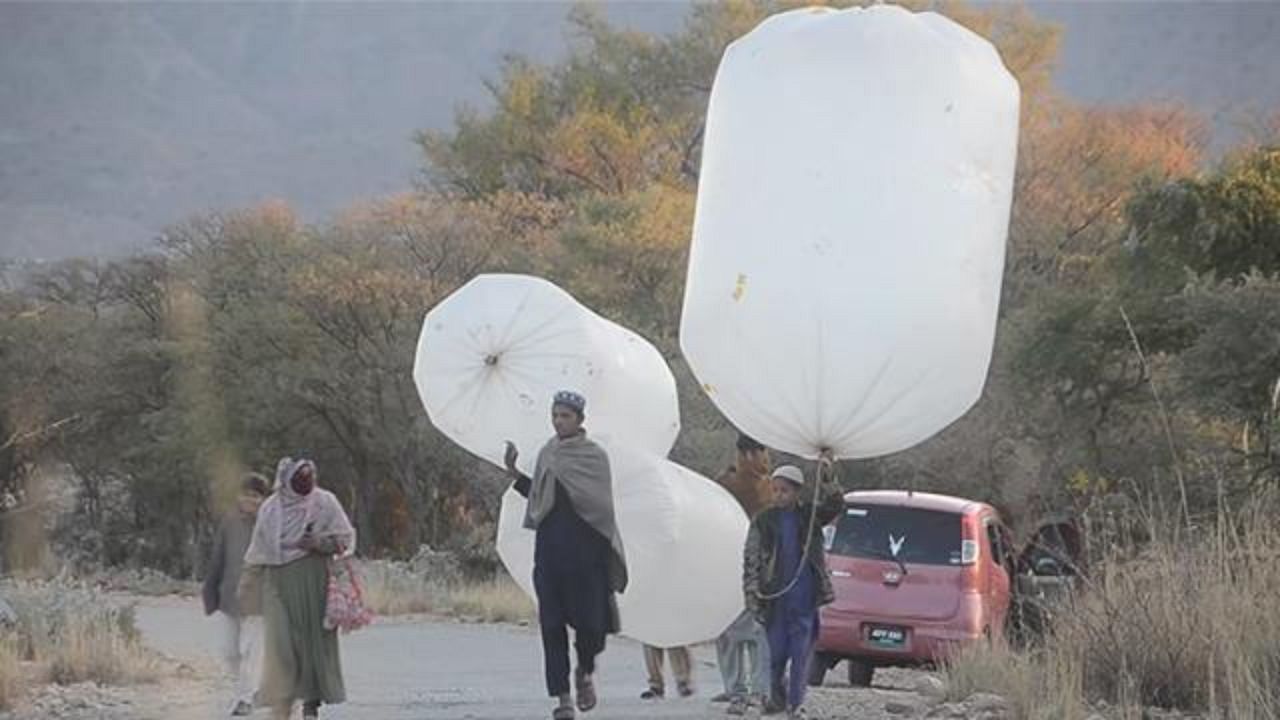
(117, 119)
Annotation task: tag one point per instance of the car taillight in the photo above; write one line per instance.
(969, 547)
(969, 552)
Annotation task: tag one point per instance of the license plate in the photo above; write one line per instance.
(889, 637)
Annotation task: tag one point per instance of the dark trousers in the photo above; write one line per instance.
(577, 598)
(791, 639)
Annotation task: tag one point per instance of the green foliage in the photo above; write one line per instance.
(1225, 224)
(1232, 370)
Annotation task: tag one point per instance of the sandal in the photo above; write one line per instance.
(586, 689)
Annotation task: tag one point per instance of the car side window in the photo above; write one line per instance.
(996, 543)
(1010, 550)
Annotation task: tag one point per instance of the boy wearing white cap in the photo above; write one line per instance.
(785, 579)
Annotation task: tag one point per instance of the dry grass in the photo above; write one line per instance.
(497, 600)
(10, 671)
(87, 649)
(1189, 630)
(391, 589)
(1186, 624)
(1038, 686)
(75, 633)
(395, 589)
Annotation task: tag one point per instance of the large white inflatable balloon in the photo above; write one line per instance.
(852, 209)
(492, 355)
(684, 536)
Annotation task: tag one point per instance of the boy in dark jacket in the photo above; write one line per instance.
(785, 580)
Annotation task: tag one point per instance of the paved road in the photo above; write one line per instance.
(424, 669)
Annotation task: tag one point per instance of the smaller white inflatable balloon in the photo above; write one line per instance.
(493, 354)
(684, 536)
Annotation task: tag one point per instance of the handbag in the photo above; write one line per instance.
(345, 609)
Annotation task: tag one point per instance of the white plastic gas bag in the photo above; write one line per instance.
(854, 198)
(684, 536)
(493, 354)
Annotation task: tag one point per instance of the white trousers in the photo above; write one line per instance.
(241, 650)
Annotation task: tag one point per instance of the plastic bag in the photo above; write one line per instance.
(683, 535)
(492, 355)
(844, 277)
(344, 607)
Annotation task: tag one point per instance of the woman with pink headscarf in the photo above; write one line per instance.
(299, 529)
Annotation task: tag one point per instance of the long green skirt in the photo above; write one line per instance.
(300, 658)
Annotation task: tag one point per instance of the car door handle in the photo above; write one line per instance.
(841, 574)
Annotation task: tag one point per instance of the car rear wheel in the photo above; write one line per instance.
(818, 667)
(860, 673)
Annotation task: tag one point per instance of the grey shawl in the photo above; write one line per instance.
(581, 467)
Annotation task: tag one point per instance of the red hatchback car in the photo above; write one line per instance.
(916, 575)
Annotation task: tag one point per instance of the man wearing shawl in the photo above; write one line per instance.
(299, 528)
(578, 558)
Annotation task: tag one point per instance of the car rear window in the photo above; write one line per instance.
(923, 537)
